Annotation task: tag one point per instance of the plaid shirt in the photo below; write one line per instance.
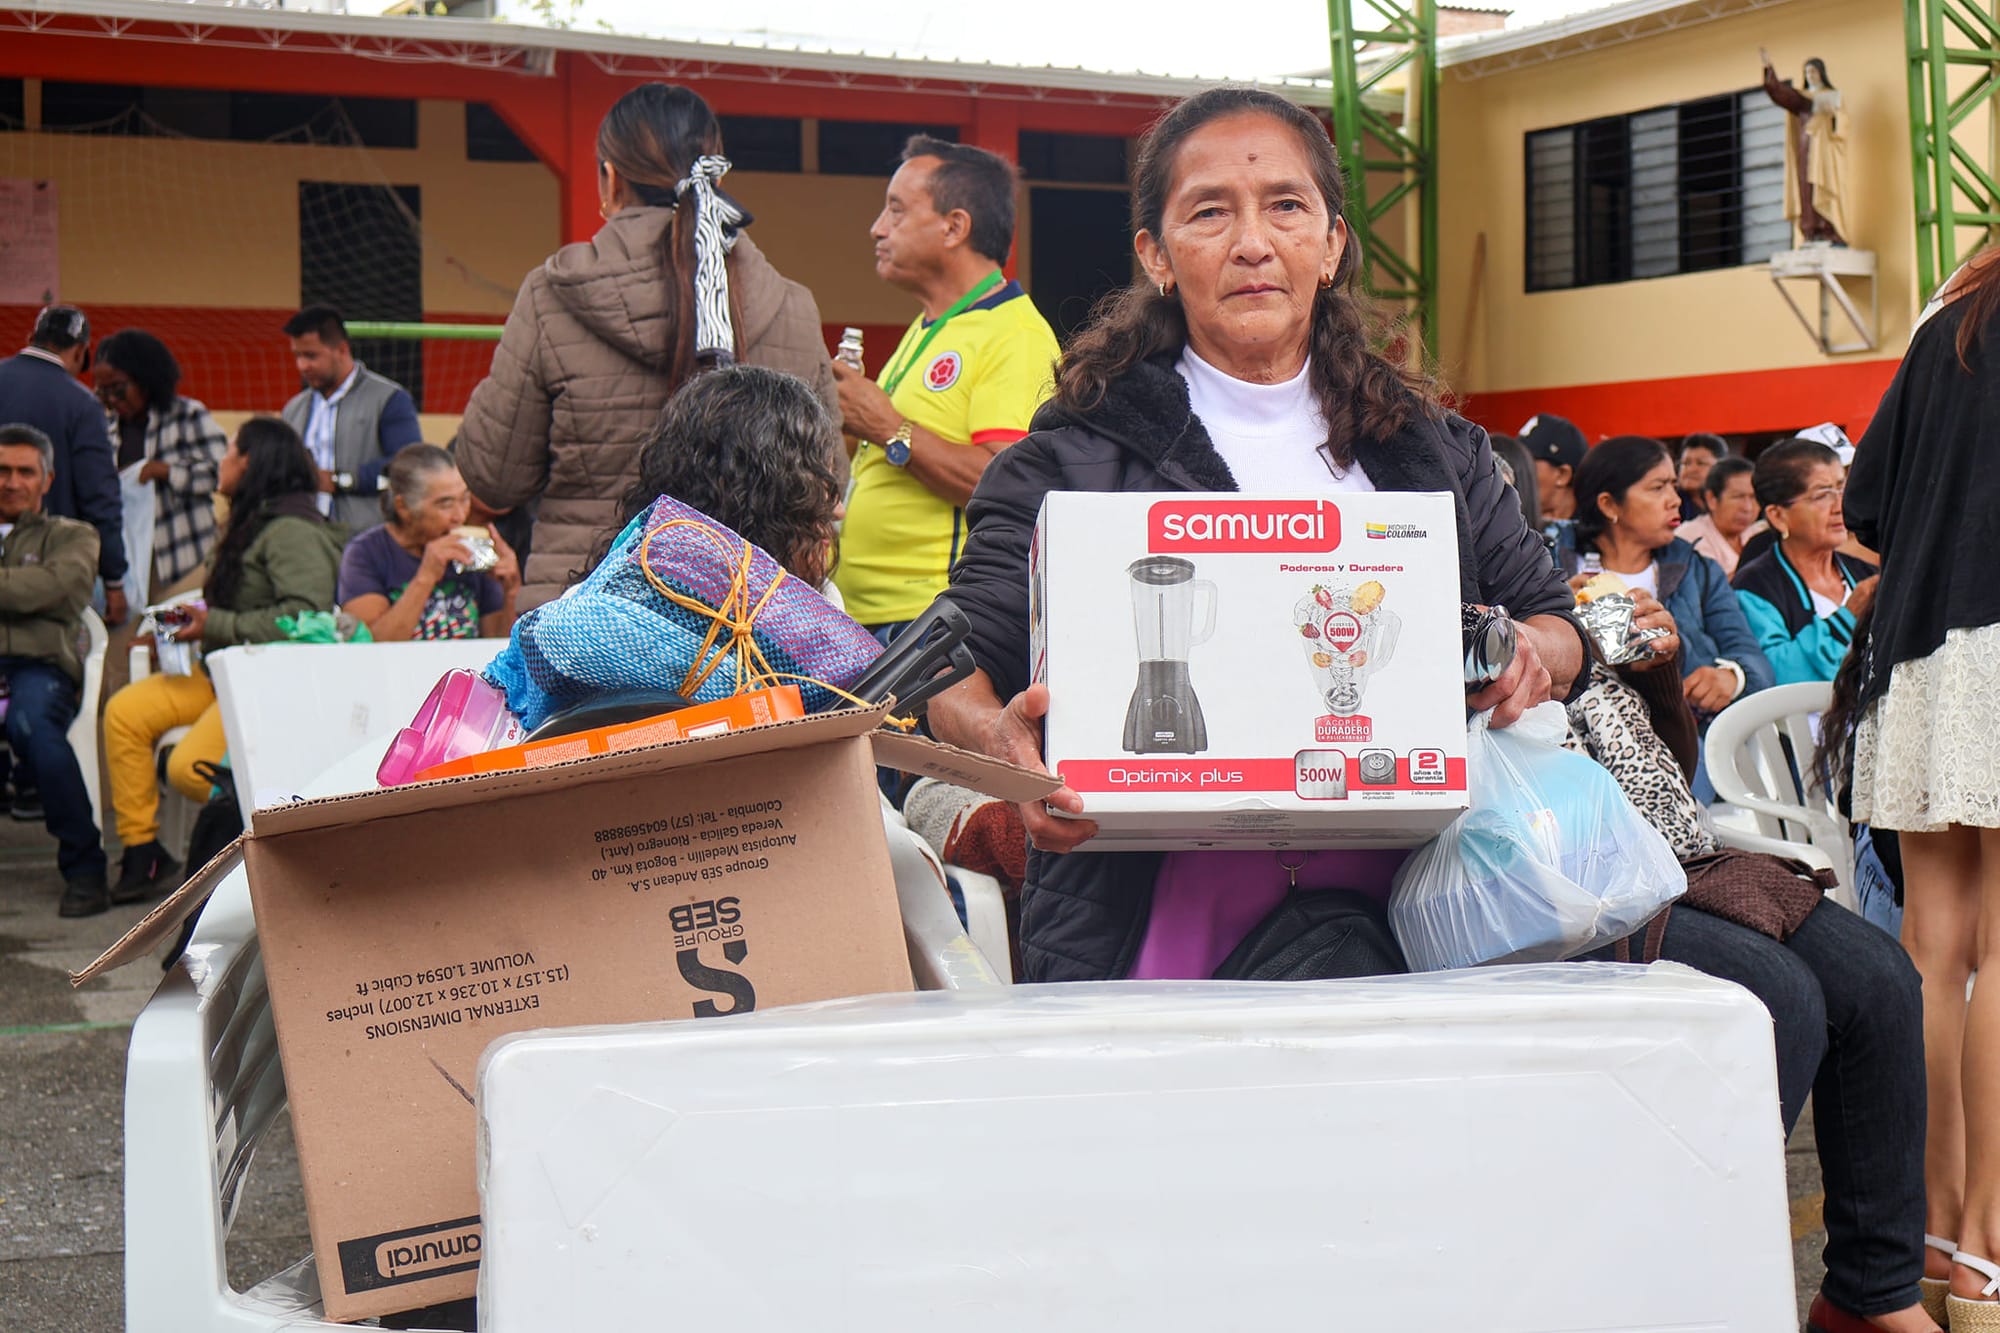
(184, 437)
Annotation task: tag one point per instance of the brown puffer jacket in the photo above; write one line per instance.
(576, 388)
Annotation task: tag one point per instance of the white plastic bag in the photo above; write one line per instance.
(140, 504)
(1549, 862)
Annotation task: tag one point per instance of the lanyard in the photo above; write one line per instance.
(894, 379)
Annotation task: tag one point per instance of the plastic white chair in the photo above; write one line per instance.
(1750, 768)
(82, 733)
(986, 917)
(985, 907)
(203, 1084)
(291, 709)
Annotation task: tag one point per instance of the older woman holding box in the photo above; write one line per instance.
(1244, 360)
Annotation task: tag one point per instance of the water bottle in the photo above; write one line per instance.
(849, 351)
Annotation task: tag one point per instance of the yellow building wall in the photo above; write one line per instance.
(1493, 335)
(200, 241)
(186, 222)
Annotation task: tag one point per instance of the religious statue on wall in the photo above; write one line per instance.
(1815, 153)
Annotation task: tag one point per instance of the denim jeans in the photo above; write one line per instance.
(895, 783)
(1872, 885)
(41, 705)
(1848, 1013)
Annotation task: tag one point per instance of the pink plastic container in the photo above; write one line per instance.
(463, 715)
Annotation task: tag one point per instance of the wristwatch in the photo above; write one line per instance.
(897, 447)
(343, 483)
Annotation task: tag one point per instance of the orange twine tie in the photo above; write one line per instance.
(731, 625)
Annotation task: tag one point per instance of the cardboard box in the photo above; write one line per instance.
(1232, 670)
(404, 929)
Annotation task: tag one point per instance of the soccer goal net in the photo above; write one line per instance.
(208, 219)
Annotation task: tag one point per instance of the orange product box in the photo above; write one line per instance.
(754, 708)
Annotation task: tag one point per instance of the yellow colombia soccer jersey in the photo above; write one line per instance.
(980, 380)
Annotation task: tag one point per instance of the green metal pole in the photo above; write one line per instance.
(1427, 198)
(1400, 267)
(1940, 131)
(364, 328)
(1920, 120)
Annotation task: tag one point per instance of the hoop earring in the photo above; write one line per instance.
(1166, 289)
(1325, 281)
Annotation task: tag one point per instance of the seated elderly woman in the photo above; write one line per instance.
(1719, 533)
(1242, 361)
(1245, 360)
(415, 576)
(753, 449)
(1803, 595)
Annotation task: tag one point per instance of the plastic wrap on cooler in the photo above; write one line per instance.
(1520, 1148)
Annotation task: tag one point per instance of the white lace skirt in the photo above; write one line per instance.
(1927, 753)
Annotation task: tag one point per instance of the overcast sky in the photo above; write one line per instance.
(1178, 37)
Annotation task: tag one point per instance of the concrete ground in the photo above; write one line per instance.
(62, 1078)
(62, 1064)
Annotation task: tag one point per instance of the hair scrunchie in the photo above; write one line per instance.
(717, 218)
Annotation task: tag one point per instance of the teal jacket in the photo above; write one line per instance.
(1800, 645)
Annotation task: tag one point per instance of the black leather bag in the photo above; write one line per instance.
(1317, 935)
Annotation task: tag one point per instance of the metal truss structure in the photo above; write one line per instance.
(1391, 160)
(1954, 55)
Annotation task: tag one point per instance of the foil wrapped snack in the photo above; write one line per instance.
(175, 657)
(1608, 620)
(480, 542)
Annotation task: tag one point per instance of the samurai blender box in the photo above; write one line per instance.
(1290, 673)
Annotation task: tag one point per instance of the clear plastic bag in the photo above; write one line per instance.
(1550, 861)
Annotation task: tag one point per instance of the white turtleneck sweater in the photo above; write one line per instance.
(1269, 434)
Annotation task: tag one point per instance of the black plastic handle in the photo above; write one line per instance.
(929, 656)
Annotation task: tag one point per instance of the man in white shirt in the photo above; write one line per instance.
(351, 418)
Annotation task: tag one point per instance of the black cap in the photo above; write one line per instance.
(59, 328)
(1553, 440)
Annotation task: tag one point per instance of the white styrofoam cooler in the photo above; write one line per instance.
(1568, 1147)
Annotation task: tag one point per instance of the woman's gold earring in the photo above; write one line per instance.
(1325, 281)
(1166, 289)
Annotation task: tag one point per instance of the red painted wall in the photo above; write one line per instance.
(1750, 402)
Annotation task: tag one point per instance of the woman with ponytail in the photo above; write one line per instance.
(1242, 361)
(606, 330)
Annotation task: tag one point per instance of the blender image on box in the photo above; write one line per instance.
(1164, 716)
(1347, 635)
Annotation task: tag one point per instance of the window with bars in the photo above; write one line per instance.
(1672, 189)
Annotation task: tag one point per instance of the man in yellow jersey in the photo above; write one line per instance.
(961, 386)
